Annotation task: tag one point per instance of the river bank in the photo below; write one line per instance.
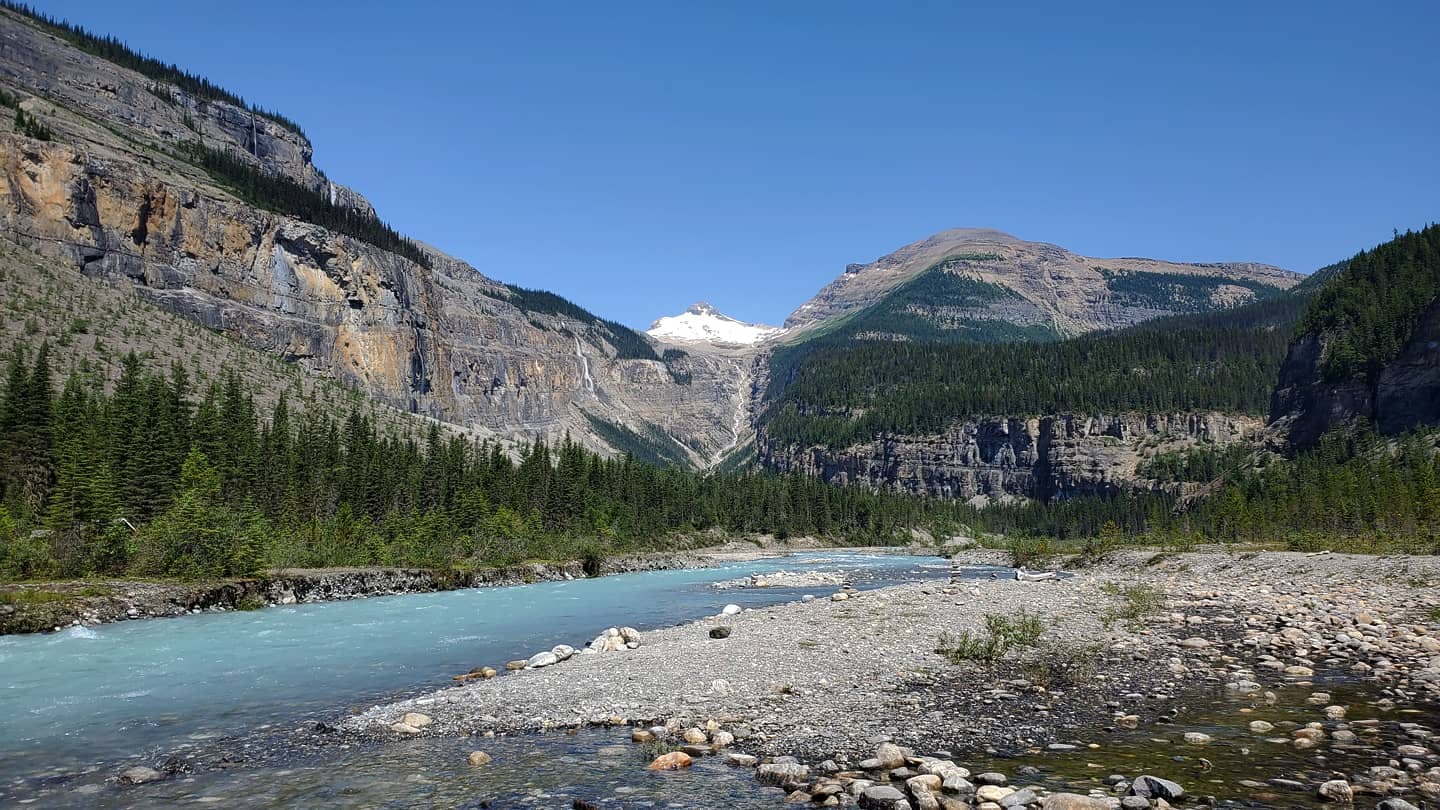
(1181, 649)
(38, 607)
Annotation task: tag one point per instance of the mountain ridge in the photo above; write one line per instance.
(1070, 293)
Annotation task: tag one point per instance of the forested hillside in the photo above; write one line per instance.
(1367, 312)
(1222, 361)
(164, 478)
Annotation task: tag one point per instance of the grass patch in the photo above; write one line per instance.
(1134, 603)
(1001, 635)
(1434, 614)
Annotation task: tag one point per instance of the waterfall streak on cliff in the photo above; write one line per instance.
(584, 367)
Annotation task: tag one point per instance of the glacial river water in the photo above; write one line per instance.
(80, 705)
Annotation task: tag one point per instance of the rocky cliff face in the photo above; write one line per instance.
(108, 199)
(1405, 394)
(990, 459)
(1071, 293)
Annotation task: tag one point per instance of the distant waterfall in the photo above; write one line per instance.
(584, 367)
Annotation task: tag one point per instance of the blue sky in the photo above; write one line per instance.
(636, 157)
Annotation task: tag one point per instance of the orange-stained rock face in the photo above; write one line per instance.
(443, 341)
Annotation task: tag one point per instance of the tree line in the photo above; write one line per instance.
(160, 478)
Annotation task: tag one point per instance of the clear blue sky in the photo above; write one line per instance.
(636, 157)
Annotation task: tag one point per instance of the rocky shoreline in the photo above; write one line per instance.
(52, 606)
(42, 607)
(846, 700)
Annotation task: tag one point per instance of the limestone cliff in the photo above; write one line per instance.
(989, 459)
(111, 198)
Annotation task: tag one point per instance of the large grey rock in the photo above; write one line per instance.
(1154, 787)
(542, 659)
(783, 774)
(884, 797)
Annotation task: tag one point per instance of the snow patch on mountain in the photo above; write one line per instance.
(706, 324)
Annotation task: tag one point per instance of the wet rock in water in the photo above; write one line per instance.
(478, 758)
(1134, 803)
(1261, 727)
(673, 761)
(1336, 790)
(991, 778)
(730, 610)
(1074, 801)
(694, 735)
(799, 797)
(696, 751)
(416, 719)
(740, 760)
(1333, 712)
(786, 775)
(719, 632)
(1197, 738)
(581, 804)
(883, 797)
(1153, 787)
(1395, 804)
(140, 775)
(642, 735)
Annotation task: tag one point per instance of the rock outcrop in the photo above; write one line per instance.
(1405, 393)
(110, 198)
(994, 459)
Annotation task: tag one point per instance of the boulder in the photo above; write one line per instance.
(417, 719)
(883, 797)
(562, 651)
(786, 775)
(889, 756)
(694, 736)
(542, 659)
(630, 635)
(139, 775)
(719, 632)
(642, 735)
(673, 761)
(740, 760)
(1336, 790)
(1153, 787)
(514, 665)
(993, 793)
(730, 610)
(478, 758)
(991, 778)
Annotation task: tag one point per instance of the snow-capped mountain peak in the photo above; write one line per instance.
(706, 324)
